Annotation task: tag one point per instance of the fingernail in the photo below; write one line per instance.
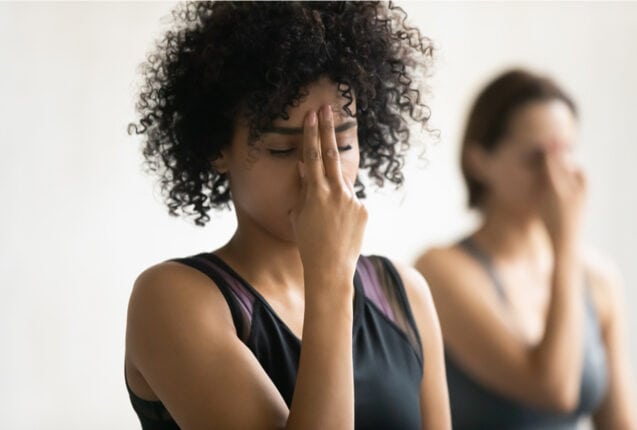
(301, 170)
(326, 113)
(311, 118)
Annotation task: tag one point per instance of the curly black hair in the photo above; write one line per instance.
(222, 60)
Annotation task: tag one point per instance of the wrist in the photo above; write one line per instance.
(328, 286)
(565, 251)
(564, 240)
(329, 272)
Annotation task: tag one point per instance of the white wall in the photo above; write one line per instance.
(79, 220)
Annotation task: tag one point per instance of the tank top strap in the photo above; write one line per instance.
(383, 287)
(470, 247)
(239, 298)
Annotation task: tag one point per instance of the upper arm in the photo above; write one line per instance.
(618, 407)
(434, 400)
(475, 330)
(181, 338)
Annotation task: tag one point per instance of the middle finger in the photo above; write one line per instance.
(329, 147)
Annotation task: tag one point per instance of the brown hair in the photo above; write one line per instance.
(491, 114)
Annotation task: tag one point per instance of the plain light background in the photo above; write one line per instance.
(79, 220)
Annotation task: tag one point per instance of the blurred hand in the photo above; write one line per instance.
(563, 195)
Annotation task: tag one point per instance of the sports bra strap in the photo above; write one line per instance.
(383, 287)
(239, 298)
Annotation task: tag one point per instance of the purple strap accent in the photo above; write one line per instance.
(372, 287)
(246, 299)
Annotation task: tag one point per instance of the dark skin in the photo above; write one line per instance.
(297, 215)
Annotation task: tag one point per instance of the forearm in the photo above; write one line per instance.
(619, 407)
(558, 357)
(324, 392)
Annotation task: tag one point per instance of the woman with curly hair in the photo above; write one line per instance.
(533, 326)
(274, 108)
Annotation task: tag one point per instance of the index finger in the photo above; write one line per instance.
(555, 167)
(329, 148)
(311, 148)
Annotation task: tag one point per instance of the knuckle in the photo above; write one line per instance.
(340, 194)
(332, 153)
(312, 154)
(333, 181)
(363, 214)
(322, 190)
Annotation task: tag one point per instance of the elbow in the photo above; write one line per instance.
(562, 397)
(566, 403)
(558, 389)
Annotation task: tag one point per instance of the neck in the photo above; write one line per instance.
(265, 261)
(508, 236)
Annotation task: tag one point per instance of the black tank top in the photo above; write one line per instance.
(387, 352)
(475, 406)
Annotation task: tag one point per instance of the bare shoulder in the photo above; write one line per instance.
(435, 257)
(168, 296)
(605, 284)
(441, 260)
(450, 271)
(172, 284)
(182, 348)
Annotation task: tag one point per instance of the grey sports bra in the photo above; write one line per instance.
(475, 406)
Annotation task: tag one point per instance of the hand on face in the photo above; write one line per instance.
(563, 196)
(328, 221)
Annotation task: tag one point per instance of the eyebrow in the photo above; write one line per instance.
(299, 130)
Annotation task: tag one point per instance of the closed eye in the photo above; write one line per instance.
(281, 152)
(287, 152)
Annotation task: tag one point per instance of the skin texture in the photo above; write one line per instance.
(530, 348)
(293, 209)
(222, 60)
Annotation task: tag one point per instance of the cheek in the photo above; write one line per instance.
(530, 174)
(511, 181)
(265, 181)
(515, 172)
(524, 186)
(349, 165)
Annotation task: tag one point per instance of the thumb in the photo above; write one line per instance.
(292, 213)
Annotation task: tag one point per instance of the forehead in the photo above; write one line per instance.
(318, 94)
(542, 121)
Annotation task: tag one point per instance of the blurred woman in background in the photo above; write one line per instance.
(533, 327)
